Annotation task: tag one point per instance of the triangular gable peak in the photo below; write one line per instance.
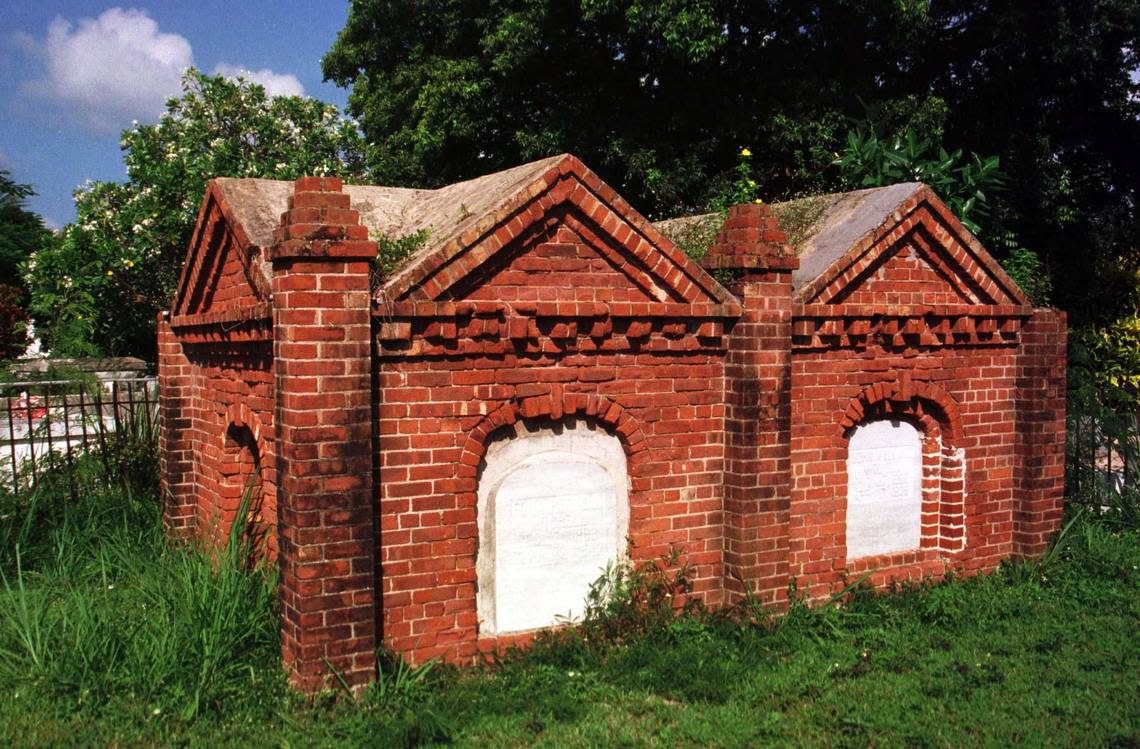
(557, 201)
(915, 253)
(224, 277)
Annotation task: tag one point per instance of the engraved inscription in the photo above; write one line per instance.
(884, 489)
(554, 532)
(553, 511)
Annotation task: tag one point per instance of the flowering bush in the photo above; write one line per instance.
(97, 288)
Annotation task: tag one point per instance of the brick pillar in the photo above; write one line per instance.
(322, 367)
(1041, 389)
(758, 404)
(175, 457)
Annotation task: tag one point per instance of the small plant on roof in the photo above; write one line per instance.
(798, 216)
(743, 189)
(394, 251)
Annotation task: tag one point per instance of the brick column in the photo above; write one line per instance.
(322, 367)
(758, 402)
(175, 456)
(1041, 388)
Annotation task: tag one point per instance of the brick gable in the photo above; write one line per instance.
(556, 262)
(223, 272)
(919, 253)
(913, 272)
(564, 194)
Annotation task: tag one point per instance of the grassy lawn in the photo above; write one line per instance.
(111, 636)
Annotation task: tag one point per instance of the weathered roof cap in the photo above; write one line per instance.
(832, 233)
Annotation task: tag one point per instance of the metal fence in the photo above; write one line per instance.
(1103, 455)
(48, 422)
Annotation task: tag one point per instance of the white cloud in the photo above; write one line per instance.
(276, 84)
(104, 72)
(111, 69)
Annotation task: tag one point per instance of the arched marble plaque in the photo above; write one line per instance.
(553, 512)
(884, 489)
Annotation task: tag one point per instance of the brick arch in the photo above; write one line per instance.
(934, 410)
(554, 406)
(240, 415)
(939, 419)
(243, 454)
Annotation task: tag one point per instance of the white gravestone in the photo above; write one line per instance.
(553, 512)
(884, 489)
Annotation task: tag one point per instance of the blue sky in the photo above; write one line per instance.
(74, 73)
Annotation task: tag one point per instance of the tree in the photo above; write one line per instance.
(1048, 87)
(660, 97)
(98, 288)
(22, 232)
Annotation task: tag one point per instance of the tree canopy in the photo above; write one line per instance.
(22, 232)
(1025, 116)
(98, 288)
(659, 97)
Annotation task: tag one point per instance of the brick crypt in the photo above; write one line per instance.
(446, 452)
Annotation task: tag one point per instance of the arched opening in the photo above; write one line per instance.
(553, 511)
(884, 488)
(242, 487)
(887, 425)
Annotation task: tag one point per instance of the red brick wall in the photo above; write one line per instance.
(216, 388)
(229, 397)
(437, 413)
(175, 451)
(563, 261)
(1040, 456)
(757, 475)
(758, 419)
(560, 319)
(979, 383)
(230, 282)
(207, 396)
(735, 422)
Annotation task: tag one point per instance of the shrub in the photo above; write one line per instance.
(630, 600)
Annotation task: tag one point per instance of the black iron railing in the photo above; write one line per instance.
(48, 422)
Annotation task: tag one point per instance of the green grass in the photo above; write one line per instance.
(112, 635)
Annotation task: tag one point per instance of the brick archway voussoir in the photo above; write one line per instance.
(555, 406)
(906, 398)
